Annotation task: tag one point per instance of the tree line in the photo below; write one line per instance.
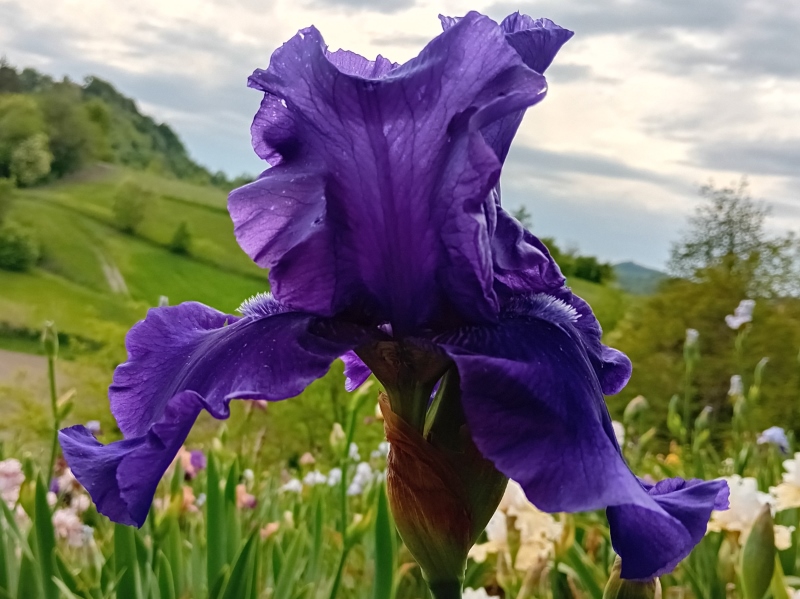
(50, 128)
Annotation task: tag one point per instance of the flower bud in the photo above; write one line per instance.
(50, 339)
(702, 420)
(337, 438)
(620, 588)
(441, 498)
(637, 406)
(758, 556)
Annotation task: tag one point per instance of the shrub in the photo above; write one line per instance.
(182, 240)
(6, 191)
(19, 250)
(30, 160)
(131, 203)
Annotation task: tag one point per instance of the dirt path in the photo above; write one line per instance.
(28, 372)
(13, 363)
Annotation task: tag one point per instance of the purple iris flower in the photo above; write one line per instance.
(380, 222)
(198, 460)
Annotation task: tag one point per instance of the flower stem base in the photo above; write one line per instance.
(446, 589)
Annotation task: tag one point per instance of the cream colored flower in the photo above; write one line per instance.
(787, 494)
(538, 530)
(746, 502)
(477, 594)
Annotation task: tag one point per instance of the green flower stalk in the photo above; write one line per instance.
(619, 588)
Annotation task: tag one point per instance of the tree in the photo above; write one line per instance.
(9, 79)
(728, 231)
(71, 131)
(30, 160)
(130, 207)
(182, 240)
(19, 251)
(523, 215)
(20, 119)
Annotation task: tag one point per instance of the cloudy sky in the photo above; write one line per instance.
(650, 99)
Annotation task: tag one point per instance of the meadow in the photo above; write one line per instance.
(288, 501)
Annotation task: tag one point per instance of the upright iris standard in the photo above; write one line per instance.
(380, 222)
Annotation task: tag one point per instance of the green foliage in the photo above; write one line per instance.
(637, 279)
(30, 160)
(6, 197)
(20, 119)
(9, 80)
(71, 133)
(573, 264)
(131, 203)
(181, 242)
(728, 231)
(19, 251)
(91, 122)
(728, 236)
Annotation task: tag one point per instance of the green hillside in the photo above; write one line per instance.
(75, 282)
(91, 274)
(637, 279)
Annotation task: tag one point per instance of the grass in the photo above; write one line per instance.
(73, 222)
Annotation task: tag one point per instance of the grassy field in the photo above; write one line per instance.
(94, 282)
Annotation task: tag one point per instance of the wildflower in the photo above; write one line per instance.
(93, 426)
(352, 453)
(736, 388)
(381, 225)
(201, 500)
(11, 479)
(68, 526)
(334, 477)
(191, 461)
(307, 459)
(198, 460)
(245, 500)
(776, 436)
(477, 594)
(269, 529)
(293, 486)
(337, 437)
(189, 503)
(248, 476)
(692, 336)
(363, 477)
(315, 477)
(741, 315)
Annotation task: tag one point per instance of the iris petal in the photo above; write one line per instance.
(537, 41)
(535, 407)
(355, 371)
(670, 533)
(405, 171)
(188, 358)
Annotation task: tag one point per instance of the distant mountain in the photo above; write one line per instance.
(637, 279)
